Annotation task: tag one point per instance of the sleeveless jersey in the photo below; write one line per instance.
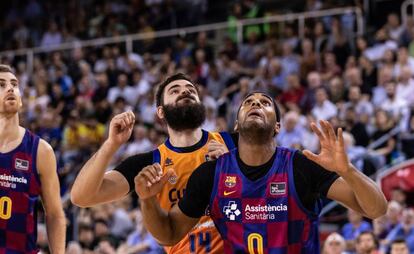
(263, 216)
(19, 191)
(204, 237)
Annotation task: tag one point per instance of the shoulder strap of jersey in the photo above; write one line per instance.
(156, 156)
(227, 140)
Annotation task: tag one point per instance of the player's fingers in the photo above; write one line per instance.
(317, 131)
(158, 168)
(170, 172)
(340, 137)
(215, 154)
(331, 131)
(141, 180)
(150, 179)
(325, 131)
(310, 155)
(153, 172)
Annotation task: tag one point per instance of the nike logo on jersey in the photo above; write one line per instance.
(226, 193)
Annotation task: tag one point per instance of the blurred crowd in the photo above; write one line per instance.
(363, 84)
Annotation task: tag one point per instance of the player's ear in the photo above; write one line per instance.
(277, 128)
(160, 112)
(236, 126)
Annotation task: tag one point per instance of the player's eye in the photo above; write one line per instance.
(2, 85)
(266, 103)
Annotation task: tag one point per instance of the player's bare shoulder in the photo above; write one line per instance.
(45, 157)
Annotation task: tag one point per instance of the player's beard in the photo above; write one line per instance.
(8, 108)
(256, 133)
(184, 117)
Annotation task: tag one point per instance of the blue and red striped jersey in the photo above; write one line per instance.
(19, 192)
(265, 215)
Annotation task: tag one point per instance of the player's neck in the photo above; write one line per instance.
(9, 128)
(184, 138)
(254, 154)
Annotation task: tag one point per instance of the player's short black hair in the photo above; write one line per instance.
(277, 110)
(159, 93)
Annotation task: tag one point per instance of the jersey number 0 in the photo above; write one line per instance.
(5, 208)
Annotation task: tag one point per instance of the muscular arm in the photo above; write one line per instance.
(358, 192)
(170, 227)
(167, 227)
(55, 217)
(93, 186)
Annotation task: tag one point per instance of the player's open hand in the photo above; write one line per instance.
(332, 156)
(121, 127)
(216, 149)
(150, 180)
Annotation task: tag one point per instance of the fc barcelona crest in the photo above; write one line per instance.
(230, 181)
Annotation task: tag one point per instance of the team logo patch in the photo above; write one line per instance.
(230, 181)
(168, 162)
(278, 188)
(21, 164)
(173, 179)
(231, 211)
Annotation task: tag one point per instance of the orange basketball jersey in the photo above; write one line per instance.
(203, 238)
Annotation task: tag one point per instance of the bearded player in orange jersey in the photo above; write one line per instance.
(188, 146)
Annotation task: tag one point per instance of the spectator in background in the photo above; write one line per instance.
(336, 91)
(324, 109)
(405, 86)
(354, 126)
(291, 135)
(399, 195)
(399, 246)
(140, 241)
(123, 90)
(293, 94)
(308, 58)
(396, 106)
(356, 154)
(403, 59)
(366, 243)
(385, 148)
(405, 229)
(52, 37)
(393, 27)
(393, 214)
(140, 142)
(353, 229)
(334, 244)
(369, 72)
(308, 100)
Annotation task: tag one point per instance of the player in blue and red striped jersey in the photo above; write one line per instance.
(27, 171)
(261, 199)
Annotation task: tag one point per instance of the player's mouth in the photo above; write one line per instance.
(255, 113)
(11, 98)
(186, 98)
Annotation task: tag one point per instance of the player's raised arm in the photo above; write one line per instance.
(353, 189)
(92, 186)
(167, 227)
(55, 217)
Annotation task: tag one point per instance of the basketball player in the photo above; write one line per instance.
(186, 148)
(27, 170)
(262, 198)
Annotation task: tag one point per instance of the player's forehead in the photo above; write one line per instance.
(7, 76)
(258, 96)
(179, 83)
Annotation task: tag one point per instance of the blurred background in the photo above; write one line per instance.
(351, 62)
